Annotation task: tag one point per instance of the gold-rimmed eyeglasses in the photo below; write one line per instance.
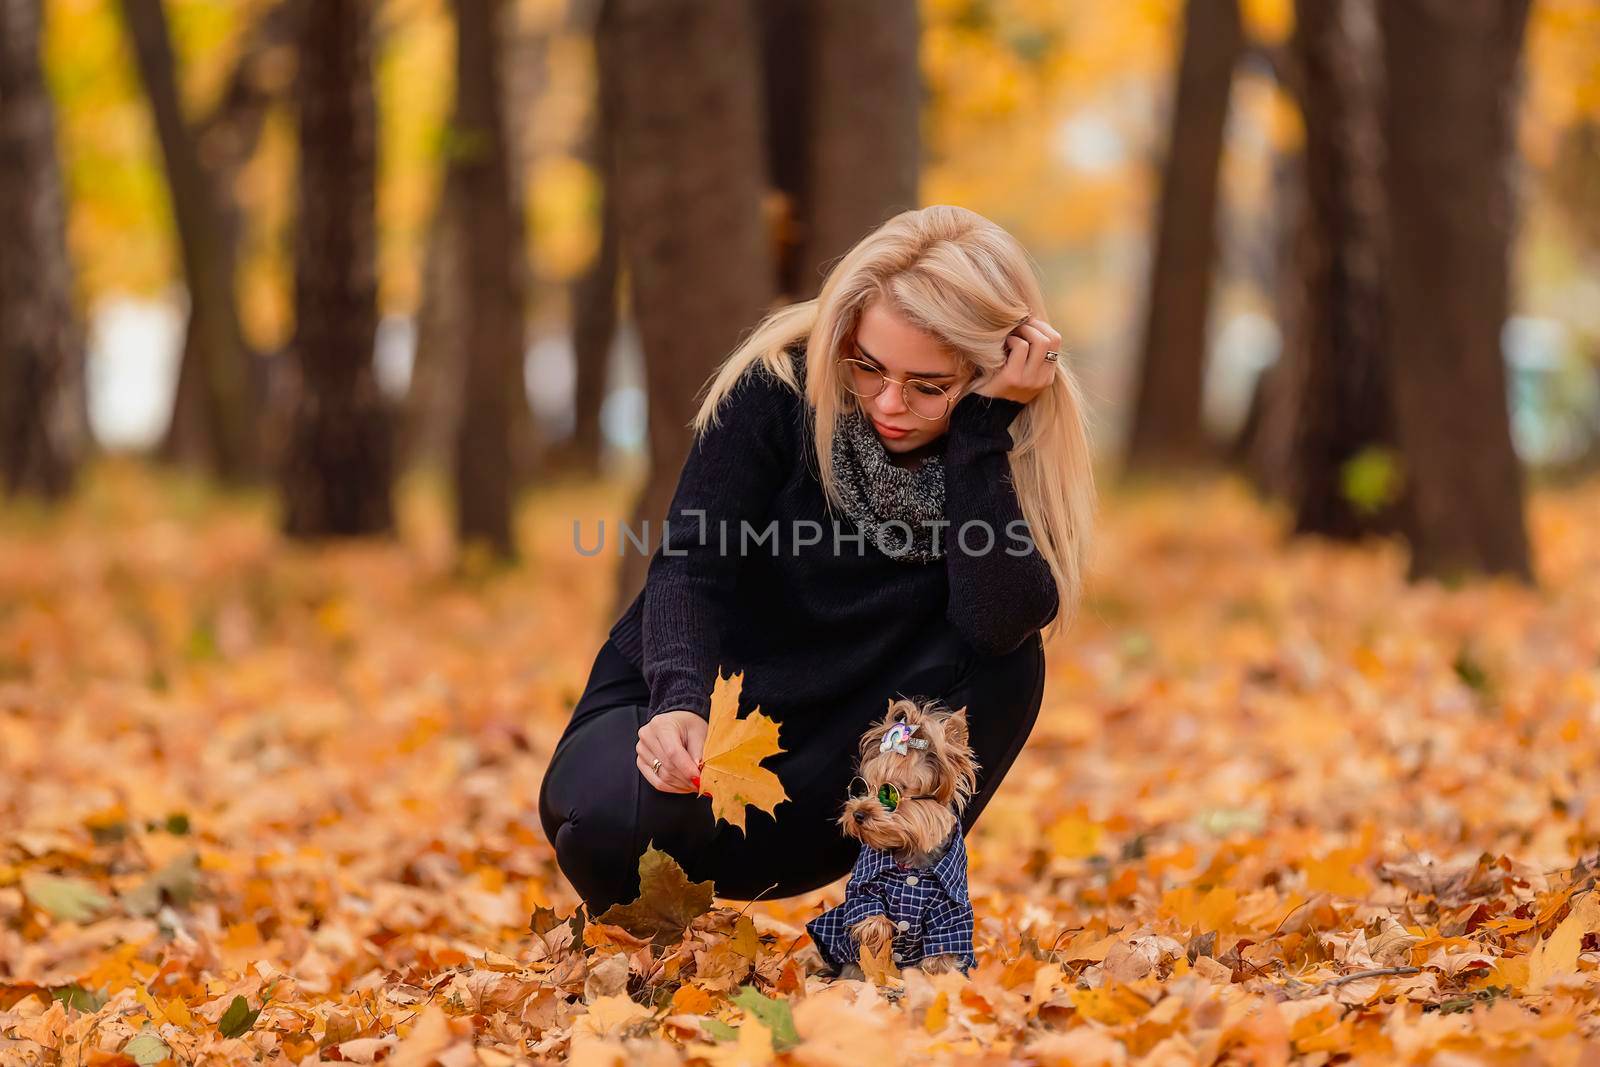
(922, 398)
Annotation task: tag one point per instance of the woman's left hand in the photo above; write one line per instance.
(1026, 372)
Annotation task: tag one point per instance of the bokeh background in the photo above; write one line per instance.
(327, 325)
(1195, 240)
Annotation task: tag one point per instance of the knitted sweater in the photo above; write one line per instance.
(754, 573)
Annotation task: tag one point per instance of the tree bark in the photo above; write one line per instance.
(594, 309)
(493, 233)
(690, 165)
(1343, 406)
(865, 105)
(42, 431)
(1167, 426)
(432, 407)
(1448, 129)
(338, 463)
(214, 338)
(226, 139)
(788, 45)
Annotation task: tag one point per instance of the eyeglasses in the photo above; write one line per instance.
(923, 399)
(888, 794)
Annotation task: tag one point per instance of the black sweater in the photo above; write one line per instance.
(806, 622)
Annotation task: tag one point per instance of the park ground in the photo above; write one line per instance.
(1280, 806)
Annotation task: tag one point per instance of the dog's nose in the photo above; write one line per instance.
(861, 817)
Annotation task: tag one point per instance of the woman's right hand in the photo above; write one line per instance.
(678, 740)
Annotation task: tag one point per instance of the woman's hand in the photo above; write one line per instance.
(678, 740)
(1026, 372)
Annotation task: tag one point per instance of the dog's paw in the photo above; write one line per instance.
(941, 963)
(850, 972)
(873, 932)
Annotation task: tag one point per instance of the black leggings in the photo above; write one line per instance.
(600, 813)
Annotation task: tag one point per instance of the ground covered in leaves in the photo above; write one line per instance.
(267, 803)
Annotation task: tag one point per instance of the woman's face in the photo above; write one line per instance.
(901, 350)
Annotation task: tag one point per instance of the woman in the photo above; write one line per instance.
(889, 493)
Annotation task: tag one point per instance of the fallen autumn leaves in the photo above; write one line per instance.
(268, 803)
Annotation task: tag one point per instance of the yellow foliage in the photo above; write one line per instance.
(734, 748)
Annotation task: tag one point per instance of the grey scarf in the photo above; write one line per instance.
(890, 504)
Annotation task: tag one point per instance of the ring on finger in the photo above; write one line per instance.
(1052, 356)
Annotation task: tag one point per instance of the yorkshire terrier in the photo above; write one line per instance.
(915, 774)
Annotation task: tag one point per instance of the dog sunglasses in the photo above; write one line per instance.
(888, 793)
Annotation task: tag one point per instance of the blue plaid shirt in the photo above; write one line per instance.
(929, 906)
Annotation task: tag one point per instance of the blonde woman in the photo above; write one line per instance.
(889, 493)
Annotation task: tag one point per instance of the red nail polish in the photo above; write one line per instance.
(697, 781)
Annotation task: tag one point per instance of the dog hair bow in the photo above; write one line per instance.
(898, 736)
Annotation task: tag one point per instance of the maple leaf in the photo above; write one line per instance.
(1558, 954)
(879, 966)
(751, 1047)
(774, 1014)
(734, 748)
(544, 920)
(667, 900)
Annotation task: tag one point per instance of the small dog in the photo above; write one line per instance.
(916, 773)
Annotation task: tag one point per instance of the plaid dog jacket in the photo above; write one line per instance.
(929, 907)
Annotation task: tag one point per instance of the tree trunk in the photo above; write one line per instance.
(1344, 417)
(1167, 426)
(690, 163)
(493, 234)
(787, 43)
(433, 401)
(1448, 126)
(41, 340)
(865, 105)
(338, 462)
(214, 336)
(594, 310)
(226, 140)
(1265, 446)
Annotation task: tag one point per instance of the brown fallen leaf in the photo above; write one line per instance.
(667, 900)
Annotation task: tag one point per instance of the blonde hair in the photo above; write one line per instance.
(967, 282)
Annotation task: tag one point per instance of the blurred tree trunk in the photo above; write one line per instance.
(227, 138)
(865, 101)
(338, 462)
(787, 63)
(214, 339)
(525, 77)
(493, 237)
(1265, 445)
(1448, 131)
(42, 417)
(594, 310)
(689, 163)
(593, 296)
(434, 404)
(433, 401)
(1167, 425)
(1341, 481)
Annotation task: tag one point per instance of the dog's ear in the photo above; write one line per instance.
(956, 764)
(955, 728)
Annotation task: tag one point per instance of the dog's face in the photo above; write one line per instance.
(911, 801)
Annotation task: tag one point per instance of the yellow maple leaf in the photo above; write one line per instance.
(878, 966)
(753, 1048)
(734, 748)
(1558, 954)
